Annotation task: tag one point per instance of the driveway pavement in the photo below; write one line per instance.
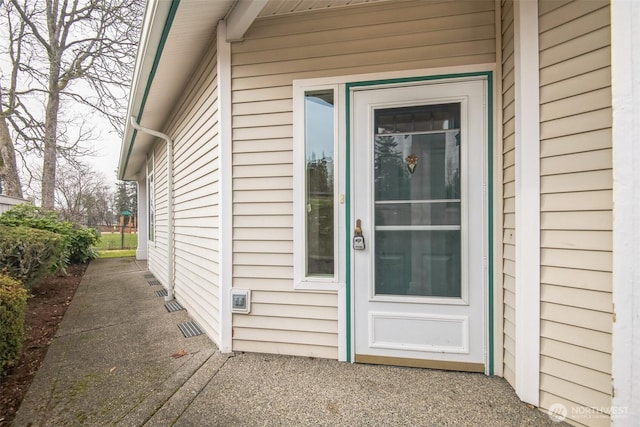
(119, 358)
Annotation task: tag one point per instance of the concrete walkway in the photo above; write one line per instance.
(112, 363)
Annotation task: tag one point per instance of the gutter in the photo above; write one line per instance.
(170, 231)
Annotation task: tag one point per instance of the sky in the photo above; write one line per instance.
(106, 142)
(107, 148)
(320, 140)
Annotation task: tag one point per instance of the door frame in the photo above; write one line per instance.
(489, 291)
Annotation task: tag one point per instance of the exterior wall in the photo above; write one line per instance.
(193, 127)
(388, 37)
(576, 206)
(158, 249)
(509, 195)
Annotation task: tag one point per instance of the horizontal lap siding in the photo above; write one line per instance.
(509, 196)
(576, 206)
(194, 128)
(158, 249)
(353, 40)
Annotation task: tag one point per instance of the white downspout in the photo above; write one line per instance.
(136, 126)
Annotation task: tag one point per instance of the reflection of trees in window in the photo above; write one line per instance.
(391, 179)
(452, 165)
(320, 249)
(391, 175)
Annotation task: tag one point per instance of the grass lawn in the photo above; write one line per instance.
(118, 253)
(110, 241)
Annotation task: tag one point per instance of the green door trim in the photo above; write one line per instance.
(348, 87)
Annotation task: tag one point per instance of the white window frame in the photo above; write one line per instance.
(301, 280)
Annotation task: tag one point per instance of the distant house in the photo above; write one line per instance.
(7, 202)
(439, 184)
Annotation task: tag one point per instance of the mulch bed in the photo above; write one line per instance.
(45, 309)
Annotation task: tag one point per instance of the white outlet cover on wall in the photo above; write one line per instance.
(240, 301)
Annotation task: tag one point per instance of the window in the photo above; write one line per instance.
(317, 197)
(319, 183)
(151, 200)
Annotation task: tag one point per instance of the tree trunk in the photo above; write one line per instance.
(8, 169)
(50, 150)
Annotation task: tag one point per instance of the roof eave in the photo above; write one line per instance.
(165, 28)
(154, 33)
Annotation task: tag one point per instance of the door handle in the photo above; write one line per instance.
(358, 230)
(358, 238)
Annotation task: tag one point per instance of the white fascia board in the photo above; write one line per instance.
(527, 164)
(241, 17)
(625, 87)
(155, 18)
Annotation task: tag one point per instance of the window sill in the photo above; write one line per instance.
(318, 286)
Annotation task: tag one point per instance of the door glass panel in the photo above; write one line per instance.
(404, 122)
(417, 201)
(424, 263)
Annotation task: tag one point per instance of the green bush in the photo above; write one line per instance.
(82, 242)
(13, 303)
(26, 254)
(77, 241)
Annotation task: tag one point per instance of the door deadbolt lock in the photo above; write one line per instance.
(358, 238)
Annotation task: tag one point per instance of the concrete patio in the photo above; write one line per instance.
(119, 358)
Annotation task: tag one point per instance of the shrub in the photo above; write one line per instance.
(82, 241)
(13, 302)
(77, 241)
(28, 215)
(26, 254)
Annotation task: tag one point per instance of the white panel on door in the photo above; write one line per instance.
(421, 332)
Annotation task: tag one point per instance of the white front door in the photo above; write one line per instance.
(419, 193)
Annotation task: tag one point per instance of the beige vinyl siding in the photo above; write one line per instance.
(194, 129)
(158, 249)
(386, 36)
(509, 195)
(576, 207)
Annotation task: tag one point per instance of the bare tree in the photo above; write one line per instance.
(64, 54)
(101, 208)
(83, 195)
(8, 170)
(8, 167)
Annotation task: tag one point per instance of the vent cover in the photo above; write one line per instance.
(148, 276)
(173, 306)
(162, 293)
(154, 282)
(190, 329)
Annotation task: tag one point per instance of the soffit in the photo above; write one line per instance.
(283, 7)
